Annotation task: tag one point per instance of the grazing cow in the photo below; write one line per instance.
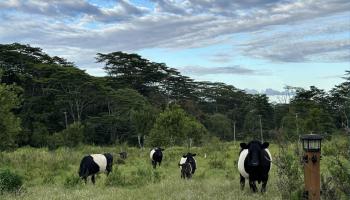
(95, 163)
(187, 165)
(123, 155)
(156, 156)
(254, 163)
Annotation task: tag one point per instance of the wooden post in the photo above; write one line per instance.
(312, 175)
(311, 160)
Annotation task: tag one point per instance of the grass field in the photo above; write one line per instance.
(53, 175)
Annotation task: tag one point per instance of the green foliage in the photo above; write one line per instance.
(123, 105)
(72, 181)
(216, 161)
(143, 119)
(70, 137)
(9, 123)
(219, 125)
(52, 174)
(115, 179)
(328, 188)
(338, 176)
(40, 135)
(174, 126)
(289, 174)
(9, 181)
(140, 176)
(128, 115)
(340, 172)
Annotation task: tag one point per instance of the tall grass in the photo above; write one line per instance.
(54, 174)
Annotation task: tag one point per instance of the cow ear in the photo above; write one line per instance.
(243, 145)
(185, 156)
(265, 145)
(162, 149)
(194, 154)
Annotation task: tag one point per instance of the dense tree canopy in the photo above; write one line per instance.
(140, 98)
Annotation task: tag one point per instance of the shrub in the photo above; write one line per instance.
(72, 180)
(10, 182)
(174, 127)
(216, 162)
(69, 137)
(328, 188)
(340, 172)
(289, 174)
(115, 179)
(339, 166)
(119, 161)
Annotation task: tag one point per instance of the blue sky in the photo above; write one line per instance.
(254, 44)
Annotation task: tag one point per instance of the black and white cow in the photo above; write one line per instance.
(254, 163)
(187, 165)
(95, 163)
(156, 156)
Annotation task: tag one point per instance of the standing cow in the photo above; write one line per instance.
(187, 165)
(254, 163)
(95, 163)
(156, 156)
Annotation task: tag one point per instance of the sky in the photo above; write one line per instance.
(258, 45)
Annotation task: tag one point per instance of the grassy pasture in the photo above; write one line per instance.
(53, 175)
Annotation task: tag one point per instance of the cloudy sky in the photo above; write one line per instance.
(255, 44)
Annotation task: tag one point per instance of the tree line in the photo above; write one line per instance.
(48, 101)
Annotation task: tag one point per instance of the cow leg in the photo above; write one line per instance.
(154, 163)
(93, 179)
(252, 186)
(242, 181)
(263, 186)
(159, 163)
(85, 179)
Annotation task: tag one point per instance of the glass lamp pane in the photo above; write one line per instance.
(313, 145)
(305, 143)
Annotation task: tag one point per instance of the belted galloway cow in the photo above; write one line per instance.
(95, 163)
(254, 164)
(156, 156)
(187, 165)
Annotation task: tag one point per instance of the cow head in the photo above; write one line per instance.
(190, 158)
(159, 149)
(255, 152)
(109, 158)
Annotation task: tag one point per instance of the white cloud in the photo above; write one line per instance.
(329, 42)
(239, 70)
(82, 26)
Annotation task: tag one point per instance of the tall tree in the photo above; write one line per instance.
(340, 96)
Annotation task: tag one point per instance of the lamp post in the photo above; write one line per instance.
(311, 160)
